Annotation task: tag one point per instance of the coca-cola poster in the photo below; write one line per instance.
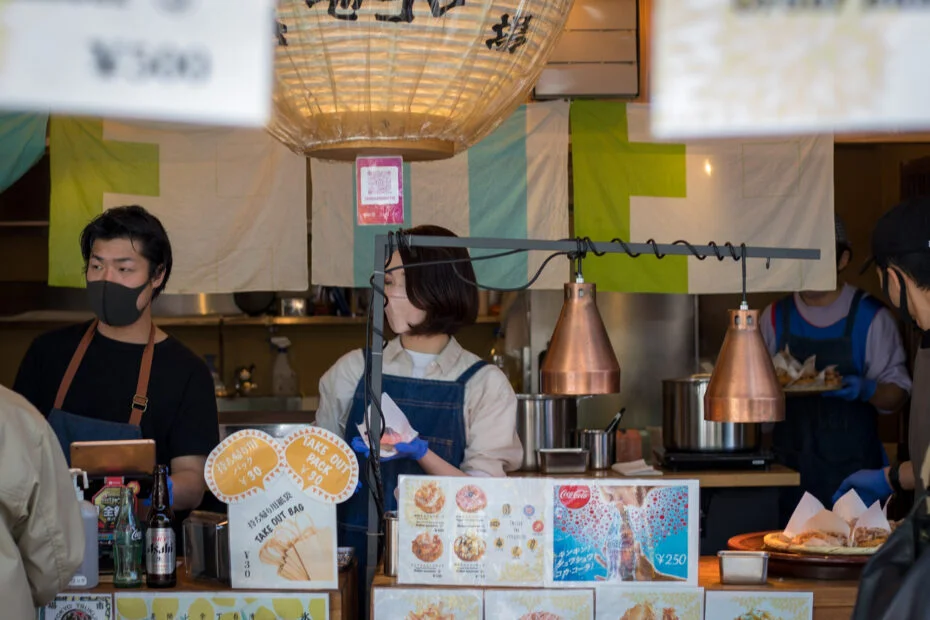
(623, 532)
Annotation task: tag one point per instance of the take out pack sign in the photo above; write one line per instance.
(199, 61)
(755, 67)
(282, 497)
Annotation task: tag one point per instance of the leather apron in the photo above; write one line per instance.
(70, 428)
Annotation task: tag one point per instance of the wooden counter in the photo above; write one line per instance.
(833, 600)
(342, 603)
(775, 476)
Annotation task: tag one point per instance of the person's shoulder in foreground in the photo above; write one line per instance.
(42, 540)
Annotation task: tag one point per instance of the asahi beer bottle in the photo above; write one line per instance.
(161, 570)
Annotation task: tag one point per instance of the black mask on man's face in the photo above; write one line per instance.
(113, 303)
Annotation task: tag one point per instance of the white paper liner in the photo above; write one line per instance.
(397, 428)
(849, 507)
(807, 508)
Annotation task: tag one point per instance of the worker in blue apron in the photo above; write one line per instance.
(70, 428)
(462, 409)
(828, 436)
(824, 438)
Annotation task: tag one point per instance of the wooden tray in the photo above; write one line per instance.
(806, 566)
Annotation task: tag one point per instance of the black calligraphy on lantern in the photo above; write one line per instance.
(348, 9)
(509, 36)
(340, 9)
(280, 29)
(437, 8)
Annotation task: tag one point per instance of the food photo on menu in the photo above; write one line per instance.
(606, 533)
(661, 603)
(432, 604)
(759, 605)
(463, 531)
(539, 604)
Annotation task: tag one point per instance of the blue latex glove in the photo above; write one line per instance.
(855, 388)
(415, 449)
(148, 500)
(870, 484)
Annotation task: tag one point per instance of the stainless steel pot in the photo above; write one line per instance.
(599, 444)
(544, 421)
(684, 428)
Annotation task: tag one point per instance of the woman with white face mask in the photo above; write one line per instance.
(463, 409)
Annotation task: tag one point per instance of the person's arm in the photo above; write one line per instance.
(188, 485)
(905, 476)
(337, 391)
(193, 435)
(885, 363)
(435, 465)
(492, 446)
(49, 533)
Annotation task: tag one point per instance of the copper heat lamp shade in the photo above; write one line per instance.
(743, 387)
(580, 359)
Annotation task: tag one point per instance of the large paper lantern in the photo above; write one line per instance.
(424, 79)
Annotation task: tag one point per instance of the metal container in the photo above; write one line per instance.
(684, 428)
(543, 422)
(391, 543)
(600, 445)
(205, 536)
(563, 460)
(292, 306)
(743, 567)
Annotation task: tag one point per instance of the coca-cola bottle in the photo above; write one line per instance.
(161, 569)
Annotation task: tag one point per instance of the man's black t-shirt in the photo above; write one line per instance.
(181, 415)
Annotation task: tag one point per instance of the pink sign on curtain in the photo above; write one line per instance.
(379, 190)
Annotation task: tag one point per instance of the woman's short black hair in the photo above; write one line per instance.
(143, 230)
(450, 302)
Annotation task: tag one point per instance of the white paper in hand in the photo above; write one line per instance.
(397, 428)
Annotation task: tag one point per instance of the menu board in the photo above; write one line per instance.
(629, 532)
(763, 605)
(639, 603)
(539, 604)
(228, 605)
(427, 604)
(472, 531)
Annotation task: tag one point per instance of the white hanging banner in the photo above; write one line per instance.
(750, 67)
(201, 61)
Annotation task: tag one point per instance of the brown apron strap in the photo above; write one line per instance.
(73, 366)
(140, 401)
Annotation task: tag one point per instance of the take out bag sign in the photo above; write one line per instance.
(249, 461)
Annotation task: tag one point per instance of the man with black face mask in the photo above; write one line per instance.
(901, 251)
(119, 376)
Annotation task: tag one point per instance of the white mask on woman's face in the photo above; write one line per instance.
(401, 313)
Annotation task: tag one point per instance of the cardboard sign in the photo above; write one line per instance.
(282, 506)
(242, 465)
(322, 464)
(757, 67)
(201, 61)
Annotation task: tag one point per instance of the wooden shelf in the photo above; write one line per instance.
(215, 320)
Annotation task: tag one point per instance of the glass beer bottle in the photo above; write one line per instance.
(127, 544)
(161, 569)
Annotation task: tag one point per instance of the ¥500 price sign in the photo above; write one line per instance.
(199, 61)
